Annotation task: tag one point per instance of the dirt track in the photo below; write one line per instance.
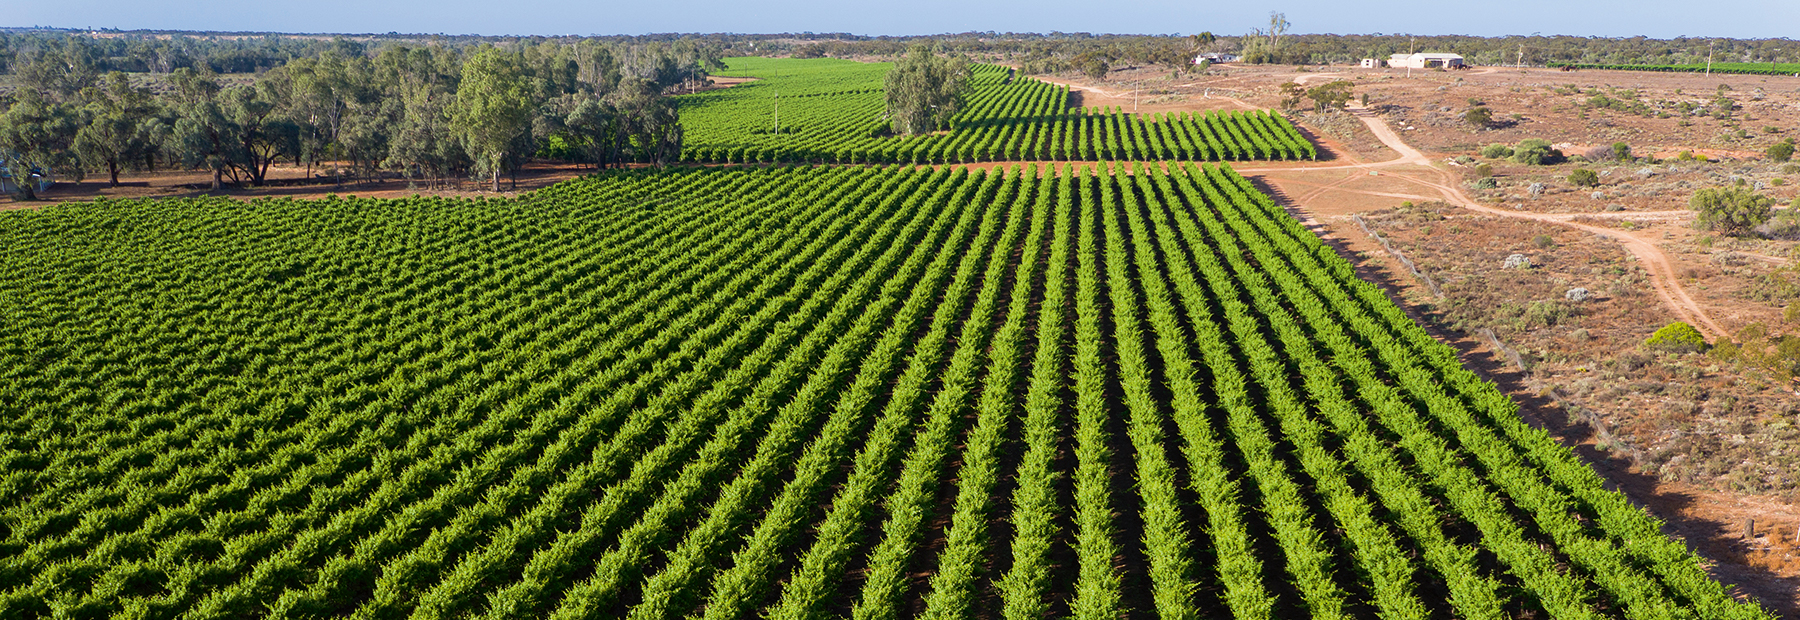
(1411, 162)
(1662, 271)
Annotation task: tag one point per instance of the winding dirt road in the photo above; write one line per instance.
(1662, 270)
(1411, 163)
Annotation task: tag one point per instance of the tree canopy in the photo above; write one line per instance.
(1735, 210)
(924, 90)
(492, 113)
(359, 111)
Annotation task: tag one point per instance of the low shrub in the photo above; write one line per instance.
(1677, 337)
(1536, 152)
(1781, 151)
(1732, 210)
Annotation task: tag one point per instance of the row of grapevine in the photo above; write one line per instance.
(1743, 68)
(1066, 135)
(788, 392)
(791, 115)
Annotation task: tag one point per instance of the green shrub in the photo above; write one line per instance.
(1677, 337)
(1496, 151)
(1535, 315)
(1730, 210)
(1781, 151)
(1484, 170)
(1583, 177)
(1725, 351)
(1535, 152)
(1479, 117)
(1621, 151)
(1785, 224)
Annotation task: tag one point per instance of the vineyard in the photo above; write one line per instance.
(827, 110)
(1124, 390)
(1746, 68)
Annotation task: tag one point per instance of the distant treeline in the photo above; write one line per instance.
(143, 51)
(233, 103)
(75, 104)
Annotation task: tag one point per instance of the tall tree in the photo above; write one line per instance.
(493, 111)
(1263, 46)
(924, 90)
(35, 136)
(114, 133)
(423, 81)
(263, 134)
(593, 125)
(61, 70)
(597, 67)
(201, 134)
(652, 121)
(238, 131)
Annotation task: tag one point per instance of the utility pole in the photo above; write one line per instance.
(1134, 97)
(778, 113)
(1411, 48)
(1709, 54)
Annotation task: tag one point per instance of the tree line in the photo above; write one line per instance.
(427, 112)
(433, 107)
(225, 52)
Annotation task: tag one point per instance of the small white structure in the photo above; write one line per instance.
(1371, 63)
(1216, 58)
(1425, 61)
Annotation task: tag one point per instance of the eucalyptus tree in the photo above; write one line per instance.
(495, 104)
(35, 138)
(238, 130)
(593, 125)
(58, 68)
(597, 66)
(924, 90)
(423, 80)
(114, 134)
(651, 120)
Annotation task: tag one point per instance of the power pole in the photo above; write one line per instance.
(1709, 54)
(1411, 48)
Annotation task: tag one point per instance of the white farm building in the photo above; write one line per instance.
(1425, 61)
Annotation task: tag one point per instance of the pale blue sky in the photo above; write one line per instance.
(1610, 18)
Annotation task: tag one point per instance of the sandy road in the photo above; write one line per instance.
(1662, 270)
